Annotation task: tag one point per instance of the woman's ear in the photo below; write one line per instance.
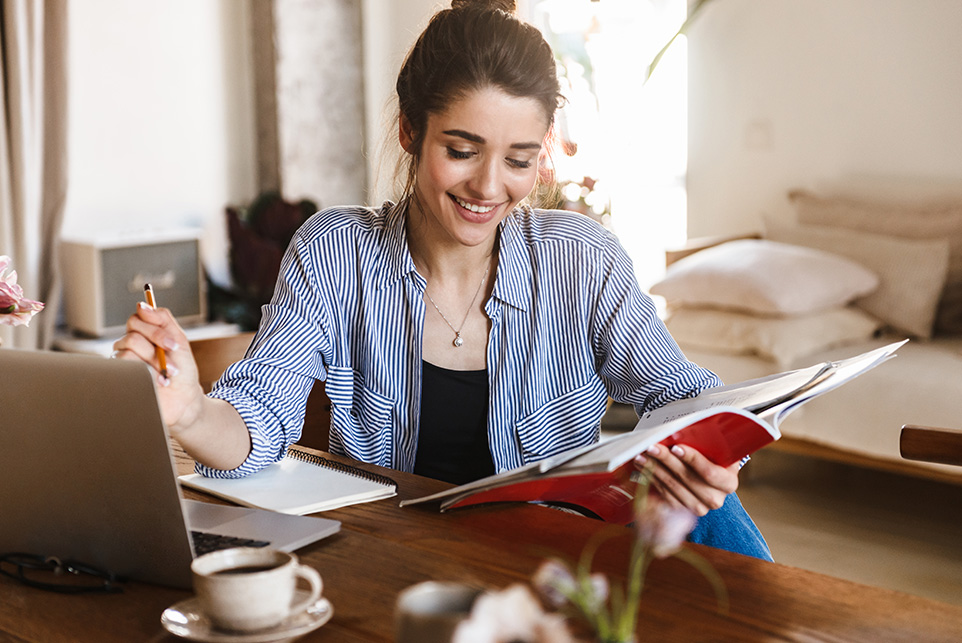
(405, 134)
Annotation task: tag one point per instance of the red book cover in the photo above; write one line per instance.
(609, 495)
(725, 424)
(724, 437)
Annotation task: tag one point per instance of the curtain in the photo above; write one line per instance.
(33, 155)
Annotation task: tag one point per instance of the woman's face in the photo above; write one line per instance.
(479, 159)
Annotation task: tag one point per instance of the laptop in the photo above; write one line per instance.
(87, 473)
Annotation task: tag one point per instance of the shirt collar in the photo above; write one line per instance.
(513, 283)
(397, 261)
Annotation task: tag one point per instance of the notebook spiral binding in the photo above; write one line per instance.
(320, 461)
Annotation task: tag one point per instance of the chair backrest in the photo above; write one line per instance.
(214, 355)
(931, 444)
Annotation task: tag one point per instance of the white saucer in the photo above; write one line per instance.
(186, 620)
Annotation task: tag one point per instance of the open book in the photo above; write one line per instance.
(301, 483)
(725, 424)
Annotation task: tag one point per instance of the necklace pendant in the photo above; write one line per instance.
(458, 341)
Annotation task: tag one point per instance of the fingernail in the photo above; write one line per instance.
(677, 450)
(143, 305)
(172, 370)
(653, 449)
(170, 344)
(164, 381)
(640, 459)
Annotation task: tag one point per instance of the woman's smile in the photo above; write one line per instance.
(475, 212)
(479, 159)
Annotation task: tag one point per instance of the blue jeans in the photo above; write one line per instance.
(730, 527)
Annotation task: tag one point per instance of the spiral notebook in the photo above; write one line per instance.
(301, 483)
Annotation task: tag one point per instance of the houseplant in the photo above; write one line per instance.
(259, 234)
(15, 309)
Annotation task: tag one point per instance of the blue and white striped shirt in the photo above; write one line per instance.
(569, 328)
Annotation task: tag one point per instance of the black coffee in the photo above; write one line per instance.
(246, 569)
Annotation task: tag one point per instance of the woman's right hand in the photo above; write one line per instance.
(180, 394)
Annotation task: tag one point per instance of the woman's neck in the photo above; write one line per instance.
(439, 257)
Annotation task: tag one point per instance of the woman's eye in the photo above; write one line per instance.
(458, 154)
(521, 165)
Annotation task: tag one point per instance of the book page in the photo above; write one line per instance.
(842, 372)
(297, 487)
(610, 454)
(722, 434)
(751, 395)
(775, 396)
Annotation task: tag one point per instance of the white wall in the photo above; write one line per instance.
(162, 113)
(823, 94)
(161, 117)
(390, 28)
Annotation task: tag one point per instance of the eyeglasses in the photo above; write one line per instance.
(55, 575)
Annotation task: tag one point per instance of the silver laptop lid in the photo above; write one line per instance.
(86, 471)
(85, 466)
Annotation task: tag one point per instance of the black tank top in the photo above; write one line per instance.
(453, 435)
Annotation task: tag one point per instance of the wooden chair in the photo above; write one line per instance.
(931, 444)
(214, 355)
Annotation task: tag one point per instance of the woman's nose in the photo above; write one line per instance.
(486, 182)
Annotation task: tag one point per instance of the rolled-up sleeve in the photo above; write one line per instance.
(269, 387)
(639, 361)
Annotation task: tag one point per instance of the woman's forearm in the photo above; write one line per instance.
(217, 436)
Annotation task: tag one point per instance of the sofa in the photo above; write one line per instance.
(842, 276)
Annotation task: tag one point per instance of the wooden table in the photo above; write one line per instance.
(382, 549)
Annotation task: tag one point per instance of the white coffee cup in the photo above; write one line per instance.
(245, 589)
(429, 612)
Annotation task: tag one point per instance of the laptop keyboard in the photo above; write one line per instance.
(205, 542)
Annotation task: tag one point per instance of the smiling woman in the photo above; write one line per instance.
(468, 183)
(458, 331)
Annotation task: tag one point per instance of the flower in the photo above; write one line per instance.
(662, 528)
(512, 615)
(15, 310)
(659, 532)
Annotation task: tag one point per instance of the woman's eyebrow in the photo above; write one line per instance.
(474, 138)
(460, 133)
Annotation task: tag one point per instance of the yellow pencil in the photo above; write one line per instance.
(161, 355)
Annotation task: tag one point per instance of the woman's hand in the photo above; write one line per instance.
(179, 392)
(686, 478)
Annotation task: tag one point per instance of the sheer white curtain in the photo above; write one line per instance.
(33, 154)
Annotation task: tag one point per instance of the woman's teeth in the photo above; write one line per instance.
(480, 209)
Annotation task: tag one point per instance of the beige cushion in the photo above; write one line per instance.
(911, 272)
(781, 339)
(766, 277)
(924, 221)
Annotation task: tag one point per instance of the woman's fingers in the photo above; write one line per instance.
(150, 331)
(686, 478)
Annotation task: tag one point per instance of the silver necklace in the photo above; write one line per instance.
(458, 342)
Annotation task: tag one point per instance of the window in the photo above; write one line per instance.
(629, 137)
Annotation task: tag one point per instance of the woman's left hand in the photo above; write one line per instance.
(686, 478)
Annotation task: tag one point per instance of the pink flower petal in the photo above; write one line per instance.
(663, 528)
(15, 310)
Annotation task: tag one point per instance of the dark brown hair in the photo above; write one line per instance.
(473, 45)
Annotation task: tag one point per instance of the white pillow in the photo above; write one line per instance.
(781, 339)
(923, 220)
(762, 276)
(912, 272)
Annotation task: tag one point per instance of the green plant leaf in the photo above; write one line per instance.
(682, 30)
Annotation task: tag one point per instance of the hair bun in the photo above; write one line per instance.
(508, 6)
